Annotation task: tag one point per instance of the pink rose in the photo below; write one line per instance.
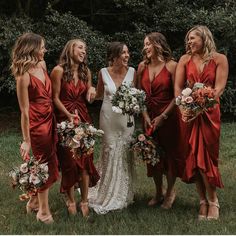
(141, 137)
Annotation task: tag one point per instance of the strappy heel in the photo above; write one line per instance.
(205, 204)
(71, 208)
(168, 201)
(30, 209)
(156, 201)
(84, 209)
(216, 205)
(45, 219)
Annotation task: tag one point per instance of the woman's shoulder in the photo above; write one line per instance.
(219, 57)
(171, 65)
(141, 67)
(185, 58)
(23, 79)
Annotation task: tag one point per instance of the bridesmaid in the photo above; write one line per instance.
(72, 85)
(156, 77)
(203, 64)
(37, 120)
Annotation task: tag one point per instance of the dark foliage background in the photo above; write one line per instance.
(101, 21)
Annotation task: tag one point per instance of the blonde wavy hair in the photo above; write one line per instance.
(208, 42)
(161, 47)
(66, 61)
(25, 53)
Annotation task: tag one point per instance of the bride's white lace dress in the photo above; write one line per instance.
(115, 165)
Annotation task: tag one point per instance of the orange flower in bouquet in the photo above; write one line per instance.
(146, 148)
(196, 100)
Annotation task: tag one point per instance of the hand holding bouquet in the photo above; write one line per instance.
(80, 138)
(146, 148)
(193, 102)
(128, 101)
(29, 176)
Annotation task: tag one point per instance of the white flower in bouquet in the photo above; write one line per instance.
(24, 180)
(62, 125)
(116, 110)
(24, 168)
(70, 125)
(186, 92)
(121, 104)
(34, 179)
(44, 167)
(136, 108)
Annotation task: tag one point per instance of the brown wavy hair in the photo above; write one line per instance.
(161, 47)
(25, 53)
(114, 50)
(67, 62)
(208, 42)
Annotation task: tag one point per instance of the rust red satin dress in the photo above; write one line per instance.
(43, 126)
(202, 134)
(159, 95)
(74, 97)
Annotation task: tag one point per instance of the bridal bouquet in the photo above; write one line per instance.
(29, 176)
(128, 100)
(80, 138)
(196, 100)
(146, 148)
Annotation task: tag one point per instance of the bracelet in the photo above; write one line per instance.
(165, 117)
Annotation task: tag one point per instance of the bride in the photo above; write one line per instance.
(115, 189)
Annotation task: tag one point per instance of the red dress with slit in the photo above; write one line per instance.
(43, 126)
(203, 133)
(159, 94)
(74, 97)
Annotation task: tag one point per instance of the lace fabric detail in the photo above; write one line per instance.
(115, 189)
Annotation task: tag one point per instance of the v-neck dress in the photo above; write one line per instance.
(74, 97)
(43, 126)
(115, 188)
(202, 135)
(159, 94)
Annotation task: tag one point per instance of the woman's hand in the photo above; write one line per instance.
(91, 94)
(147, 121)
(74, 118)
(25, 149)
(157, 122)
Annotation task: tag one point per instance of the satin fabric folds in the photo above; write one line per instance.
(202, 134)
(159, 95)
(73, 98)
(43, 126)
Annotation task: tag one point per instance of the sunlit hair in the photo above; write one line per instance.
(161, 47)
(114, 50)
(208, 42)
(67, 61)
(25, 53)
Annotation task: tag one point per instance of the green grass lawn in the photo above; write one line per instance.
(137, 218)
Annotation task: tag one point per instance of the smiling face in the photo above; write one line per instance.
(195, 42)
(79, 52)
(148, 48)
(42, 51)
(123, 59)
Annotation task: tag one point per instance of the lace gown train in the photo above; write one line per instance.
(116, 167)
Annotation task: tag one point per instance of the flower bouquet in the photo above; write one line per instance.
(29, 176)
(80, 138)
(146, 148)
(196, 100)
(128, 100)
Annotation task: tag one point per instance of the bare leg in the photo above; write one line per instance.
(170, 192)
(44, 214)
(201, 189)
(71, 204)
(32, 204)
(213, 210)
(84, 185)
(158, 180)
